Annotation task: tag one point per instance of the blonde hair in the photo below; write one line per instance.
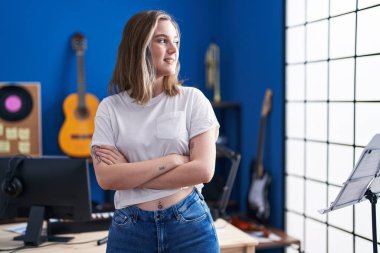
(134, 71)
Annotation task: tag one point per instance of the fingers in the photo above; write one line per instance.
(184, 158)
(94, 155)
(105, 156)
(107, 161)
(110, 155)
(112, 150)
(107, 153)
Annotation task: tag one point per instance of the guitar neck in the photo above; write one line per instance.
(260, 149)
(81, 83)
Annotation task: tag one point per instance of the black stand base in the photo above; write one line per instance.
(33, 234)
(373, 199)
(44, 239)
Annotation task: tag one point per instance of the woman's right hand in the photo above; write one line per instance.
(110, 155)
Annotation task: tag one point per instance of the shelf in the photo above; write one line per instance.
(225, 104)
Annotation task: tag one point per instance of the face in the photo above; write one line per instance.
(164, 49)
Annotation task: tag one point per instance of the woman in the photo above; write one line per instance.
(154, 143)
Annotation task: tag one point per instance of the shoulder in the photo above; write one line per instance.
(191, 92)
(111, 101)
(194, 97)
(115, 99)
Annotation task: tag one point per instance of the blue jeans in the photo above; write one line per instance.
(186, 227)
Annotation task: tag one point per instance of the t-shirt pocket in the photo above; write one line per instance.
(171, 125)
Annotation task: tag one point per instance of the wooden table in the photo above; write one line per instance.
(285, 241)
(231, 239)
(282, 239)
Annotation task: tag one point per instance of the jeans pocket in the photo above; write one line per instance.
(194, 212)
(122, 218)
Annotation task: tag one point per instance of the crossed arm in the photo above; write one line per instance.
(113, 171)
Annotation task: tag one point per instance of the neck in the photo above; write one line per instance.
(158, 86)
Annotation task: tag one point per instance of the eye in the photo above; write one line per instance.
(162, 40)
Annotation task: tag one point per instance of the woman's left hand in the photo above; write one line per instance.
(110, 155)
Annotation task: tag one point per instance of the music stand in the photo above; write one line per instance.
(362, 184)
(234, 157)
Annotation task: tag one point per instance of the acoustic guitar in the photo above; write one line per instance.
(79, 109)
(258, 203)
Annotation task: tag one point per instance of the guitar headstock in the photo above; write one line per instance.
(79, 43)
(267, 103)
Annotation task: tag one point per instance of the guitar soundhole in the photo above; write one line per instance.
(82, 113)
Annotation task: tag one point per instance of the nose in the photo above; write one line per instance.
(172, 47)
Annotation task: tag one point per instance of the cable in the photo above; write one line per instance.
(102, 241)
(18, 248)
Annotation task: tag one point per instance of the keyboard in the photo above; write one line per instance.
(99, 222)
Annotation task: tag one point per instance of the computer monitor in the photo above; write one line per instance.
(44, 188)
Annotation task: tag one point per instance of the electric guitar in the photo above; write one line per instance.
(258, 203)
(76, 132)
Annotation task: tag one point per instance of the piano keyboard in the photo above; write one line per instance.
(100, 221)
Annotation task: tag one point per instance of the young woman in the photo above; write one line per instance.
(154, 143)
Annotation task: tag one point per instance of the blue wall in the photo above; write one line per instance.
(252, 60)
(35, 46)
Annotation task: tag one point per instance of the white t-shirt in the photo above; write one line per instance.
(143, 132)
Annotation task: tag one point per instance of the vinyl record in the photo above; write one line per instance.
(15, 103)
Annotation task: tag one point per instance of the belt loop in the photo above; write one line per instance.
(199, 194)
(135, 214)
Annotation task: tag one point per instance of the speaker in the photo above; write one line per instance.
(11, 185)
(20, 119)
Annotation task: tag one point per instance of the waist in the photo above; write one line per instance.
(165, 202)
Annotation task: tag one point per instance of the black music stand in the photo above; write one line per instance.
(234, 157)
(362, 184)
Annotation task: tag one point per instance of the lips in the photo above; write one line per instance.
(169, 60)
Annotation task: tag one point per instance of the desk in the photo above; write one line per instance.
(285, 241)
(280, 238)
(231, 239)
